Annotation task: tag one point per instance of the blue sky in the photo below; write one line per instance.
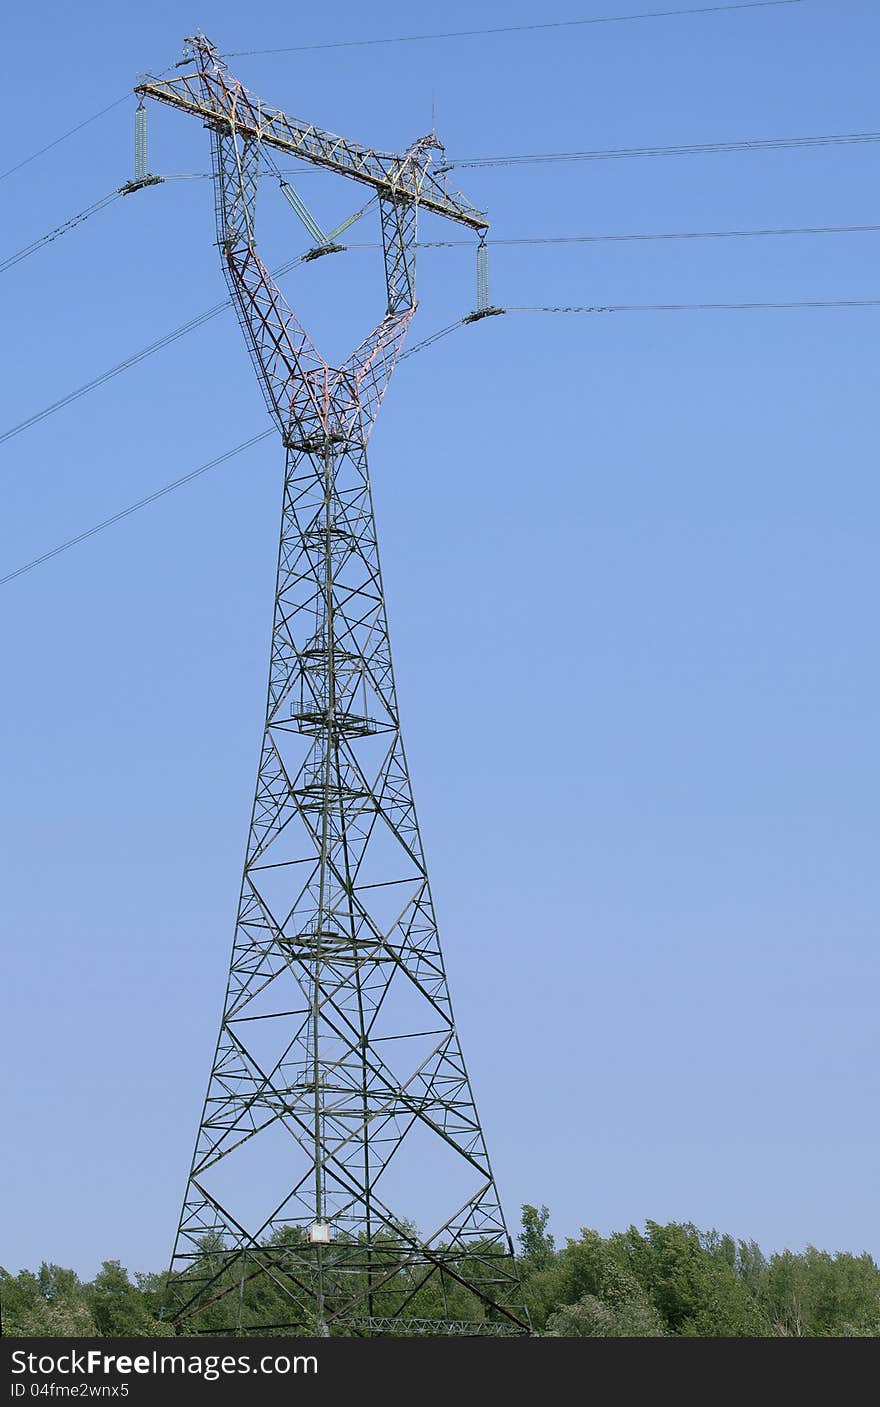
(631, 575)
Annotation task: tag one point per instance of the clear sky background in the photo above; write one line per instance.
(631, 569)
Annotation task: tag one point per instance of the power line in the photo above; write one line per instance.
(70, 224)
(127, 362)
(689, 149)
(201, 318)
(189, 477)
(515, 28)
(117, 102)
(414, 39)
(702, 307)
(134, 507)
(744, 144)
(429, 341)
(624, 238)
(112, 371)
(64, 136)
(419, 347)
(419, 38)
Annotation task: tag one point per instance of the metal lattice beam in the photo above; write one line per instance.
(228, 108)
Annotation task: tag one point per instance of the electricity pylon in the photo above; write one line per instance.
(338, 1085)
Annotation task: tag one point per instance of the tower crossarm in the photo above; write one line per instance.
(308, 399)
(225, 105)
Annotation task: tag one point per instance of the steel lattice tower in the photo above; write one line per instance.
(338, 1081)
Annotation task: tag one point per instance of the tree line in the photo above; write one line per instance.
(667, 1280)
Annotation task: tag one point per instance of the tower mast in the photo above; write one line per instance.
(338, 1085)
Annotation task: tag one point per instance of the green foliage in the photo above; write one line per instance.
(693, 1281)
(818, 1295)
(667, 1280)
(592, 1318)
(50, 1304)
(585, 1286)
(677, 1281)
(536, 1243)
(120, 1309)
